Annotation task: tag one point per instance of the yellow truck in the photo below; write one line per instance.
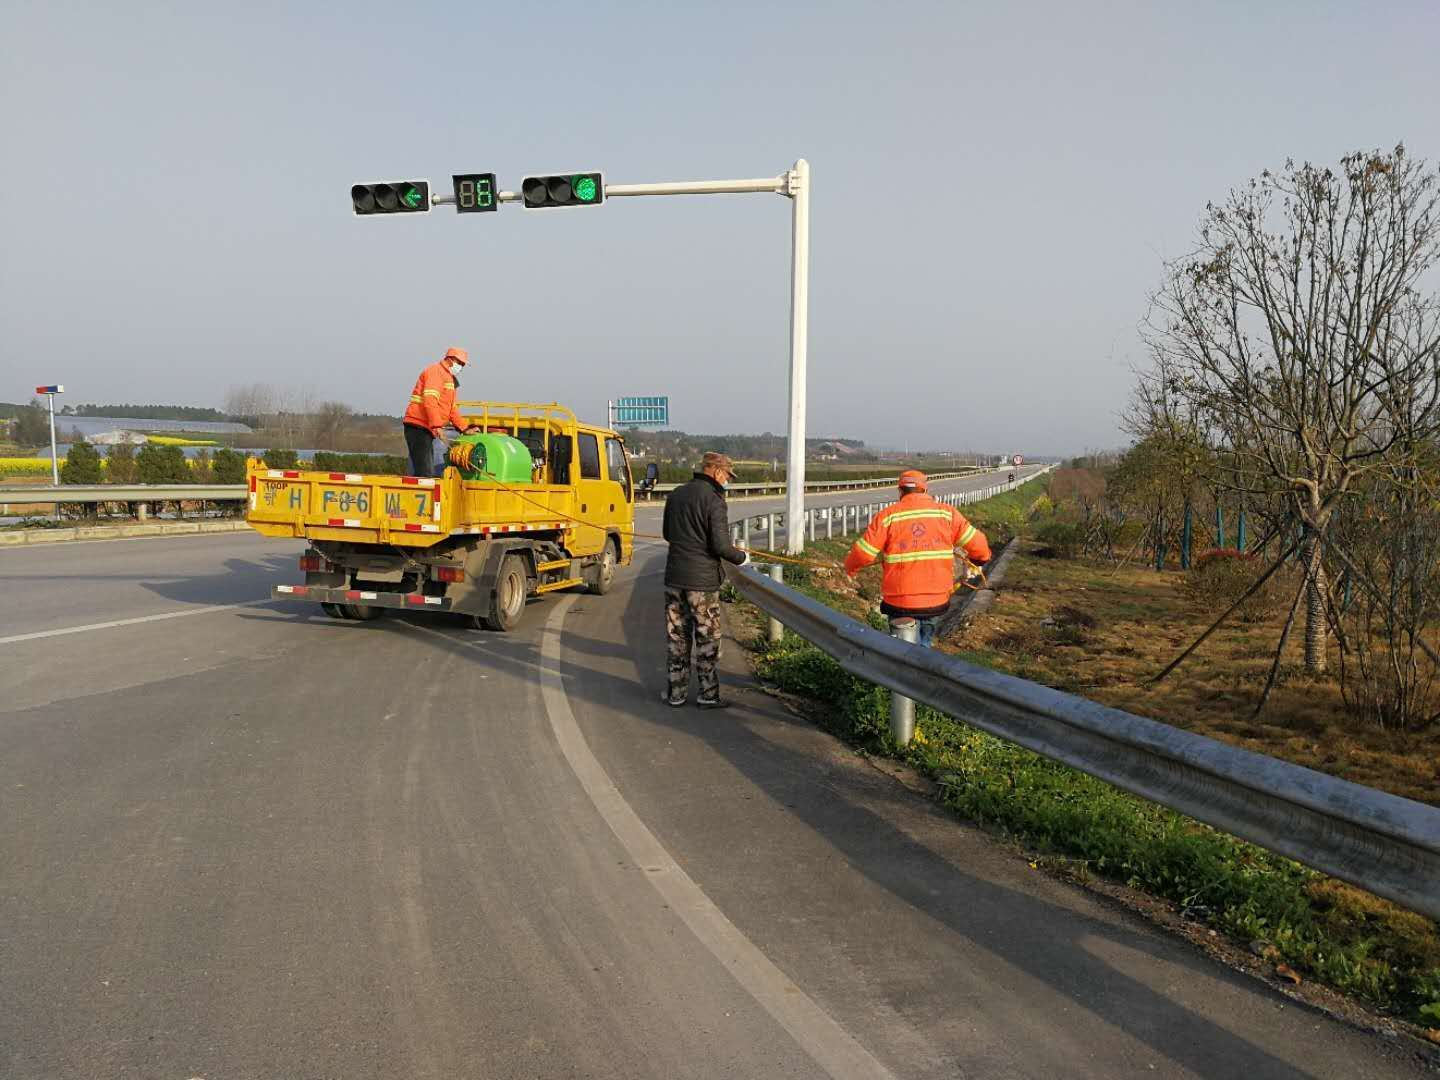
(530, 503)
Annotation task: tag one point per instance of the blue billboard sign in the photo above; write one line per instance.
(640, 411)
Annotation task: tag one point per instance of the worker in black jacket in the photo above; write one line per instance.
(697, 529)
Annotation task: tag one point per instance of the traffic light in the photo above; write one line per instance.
(475, 193)
(566, 189)
(394, 197)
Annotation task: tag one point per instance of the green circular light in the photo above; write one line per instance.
(584, 188)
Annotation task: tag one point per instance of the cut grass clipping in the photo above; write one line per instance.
(1334, 933)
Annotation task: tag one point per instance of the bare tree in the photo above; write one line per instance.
(252, 403)
(330, 421)
(1297, 325)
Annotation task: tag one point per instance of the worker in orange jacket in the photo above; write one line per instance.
(432, 409)
(916, 540)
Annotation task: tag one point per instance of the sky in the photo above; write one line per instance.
(996, 188)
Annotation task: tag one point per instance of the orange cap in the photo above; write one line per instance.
(913, 480)
(458, 354)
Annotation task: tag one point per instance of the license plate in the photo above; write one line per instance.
(282, 496)
(408, 505)
(343, 500)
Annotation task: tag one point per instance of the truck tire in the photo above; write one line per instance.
(335, 611)
(363, 612)
(508, 601)
(601, 577)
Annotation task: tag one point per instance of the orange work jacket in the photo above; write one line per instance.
(915, 540)
(432, 402)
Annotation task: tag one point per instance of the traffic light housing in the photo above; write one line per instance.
(562, 189)
(475, 193)
(391, 197)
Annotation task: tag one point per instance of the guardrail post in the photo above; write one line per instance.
(810, 525)
(142, 512)
(745, 532)
(829, 523)
(770, 532)
(902, 709)
(774, 631)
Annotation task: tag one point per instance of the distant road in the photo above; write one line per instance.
(240, 839)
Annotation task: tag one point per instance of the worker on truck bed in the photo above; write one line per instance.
(916, 540)
(697, 528)
(431, 409)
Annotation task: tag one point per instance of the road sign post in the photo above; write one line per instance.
(50, 392)
(591, 189)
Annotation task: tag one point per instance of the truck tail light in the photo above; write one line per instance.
(449, 573)
(314, 564)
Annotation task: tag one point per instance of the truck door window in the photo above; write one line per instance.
(562, 449)
(617, 467)
(589, 457)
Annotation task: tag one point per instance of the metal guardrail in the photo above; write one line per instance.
(819, 521)
(778, 486)
(96, 493)
(1380, 842)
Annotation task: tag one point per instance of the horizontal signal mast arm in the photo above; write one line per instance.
(775, 185)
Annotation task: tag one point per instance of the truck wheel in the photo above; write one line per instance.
(600, 577)
(335, 611)
(363, 612)
(509, 599)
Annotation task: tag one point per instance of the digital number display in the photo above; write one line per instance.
(475, 193)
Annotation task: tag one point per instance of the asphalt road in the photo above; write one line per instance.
(240, 839)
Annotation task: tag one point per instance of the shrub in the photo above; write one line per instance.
(161, 465)
(1220, 577)
(120, 464)
(200, 470)
(388, 464)
(282, 459)
(228, 466)
(82, 465)
(1061, 537)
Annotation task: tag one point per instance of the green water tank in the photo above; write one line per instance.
(496, 457)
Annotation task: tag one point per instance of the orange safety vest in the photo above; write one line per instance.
(915, 540)
(432, 402)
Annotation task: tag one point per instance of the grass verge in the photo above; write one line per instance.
(1299, 920)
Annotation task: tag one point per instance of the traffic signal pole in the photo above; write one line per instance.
(794, 185)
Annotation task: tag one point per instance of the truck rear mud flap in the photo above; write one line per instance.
(400, 601)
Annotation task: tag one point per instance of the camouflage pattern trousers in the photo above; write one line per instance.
(692, 616)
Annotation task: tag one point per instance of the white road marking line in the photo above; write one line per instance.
(128, 622)
(830, 1045)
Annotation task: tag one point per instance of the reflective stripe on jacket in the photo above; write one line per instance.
(432, 402)
(916, 539)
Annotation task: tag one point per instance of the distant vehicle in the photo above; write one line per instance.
(537, 503)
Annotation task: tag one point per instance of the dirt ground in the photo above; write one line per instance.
(1104, 633)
